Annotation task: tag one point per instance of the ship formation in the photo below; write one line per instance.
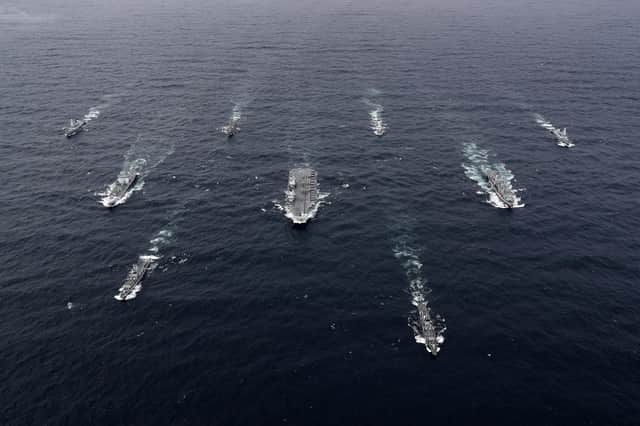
(303, 200)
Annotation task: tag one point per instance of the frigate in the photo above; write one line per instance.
(123, 186)
(74, 127)
(133, 282)
(499, 187)
(425, 329)
(302, 194)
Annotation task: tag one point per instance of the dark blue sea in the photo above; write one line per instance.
(244, 319)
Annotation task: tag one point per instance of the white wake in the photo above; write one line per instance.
(376, 119)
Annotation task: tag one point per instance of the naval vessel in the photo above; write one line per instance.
(425, 330)
(231, 128)
(123, 186)
(561, 136)
(302, 195)
(74, 127)
(499, 187)
(133, 282)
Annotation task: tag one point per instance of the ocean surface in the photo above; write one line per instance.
(401, 107)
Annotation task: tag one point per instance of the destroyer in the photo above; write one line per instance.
(499, 187)
(425, 330)
(302, 194)
(123, 186)
(74, 127)
(133, 282)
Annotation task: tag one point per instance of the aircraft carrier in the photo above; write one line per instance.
(302, 195)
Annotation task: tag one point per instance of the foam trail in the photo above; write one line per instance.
(94, 112)
(376, 121)
(373, 92)
(236, 113)
(145, 264)
(479, 166)
(560, 134)
(234, 120)
(428, 328)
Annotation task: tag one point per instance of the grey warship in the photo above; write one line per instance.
(133, 283)
(74, 127)
(302, 195)
(499, 187)
(124, 185)
(425, 330)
